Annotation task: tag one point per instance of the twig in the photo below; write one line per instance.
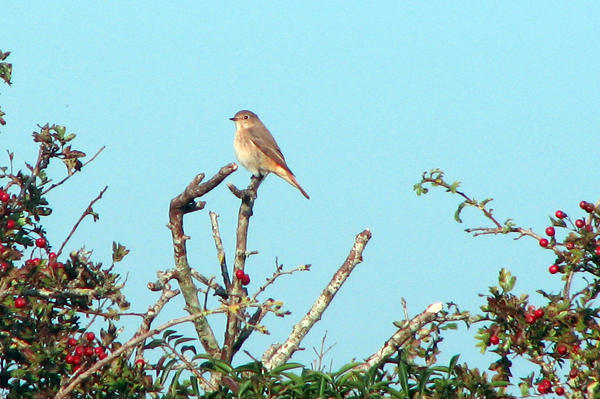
(256, 318)
(278, 273)
(152, 313)
(321, 353)
(87, 211)
(71, 175)
(214, 221)
(64, 391)
(206, 385)
(283, 353)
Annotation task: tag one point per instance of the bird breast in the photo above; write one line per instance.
(249, 155)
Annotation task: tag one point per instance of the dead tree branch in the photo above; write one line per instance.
(285, 351)
(179, 206)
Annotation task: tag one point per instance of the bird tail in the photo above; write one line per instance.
(289, 177)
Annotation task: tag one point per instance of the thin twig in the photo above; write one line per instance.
(278, 273)
(65, 390)
(71, 175)
(152, 313)
(87, 211)
(214, 222)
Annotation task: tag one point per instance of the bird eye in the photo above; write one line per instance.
(246, 117)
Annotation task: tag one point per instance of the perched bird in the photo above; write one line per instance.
(257, 150)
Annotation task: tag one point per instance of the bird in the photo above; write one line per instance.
(257, 150)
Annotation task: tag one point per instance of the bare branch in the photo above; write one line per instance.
(248, 196)
(180, 205)
(87, 211)
(283, 353)
(152, 313)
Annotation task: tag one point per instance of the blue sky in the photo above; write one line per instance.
(361, 98)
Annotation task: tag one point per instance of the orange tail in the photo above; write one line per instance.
(289, 177)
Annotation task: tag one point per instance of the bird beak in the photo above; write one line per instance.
(233, 119)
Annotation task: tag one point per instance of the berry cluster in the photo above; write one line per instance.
(545, 387)
(583, 238)
(243, 277)
(84, 352)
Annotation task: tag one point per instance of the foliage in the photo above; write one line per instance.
(562, 337)
(45, 299)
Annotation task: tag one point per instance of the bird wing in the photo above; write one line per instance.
(267, 144)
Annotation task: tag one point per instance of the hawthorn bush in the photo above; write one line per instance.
(59, 335)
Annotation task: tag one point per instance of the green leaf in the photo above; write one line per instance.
(60, 130)
(285, 367)
(454, 187)
(449, 326)
(506, 280)
(119, 252)
(419, 189)
(458, 211)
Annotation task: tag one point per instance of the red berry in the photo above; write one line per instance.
(562, 349)
(88, 351)
(98, 350)
(90, 336)
(4, 197)
(140, 362)
(570, 245)
(560, 214)
(77, 360)
(72, 342)
(580, 223)
(70, 359)
(80, 350)
(597, 250)
(546, 385)
(102, 355)
(573, 373)
(583, 204)
(245, 279)
(554, 269)
(52, 256)
(20, 302)
(41, 242)
(543, 242)
(33, 262)
(494, 340)
(4, 267)
(530, 319)
(539, 313)
(550, 231)
(10, 224)
(239, 274)
(590, 208)
(560, 391)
